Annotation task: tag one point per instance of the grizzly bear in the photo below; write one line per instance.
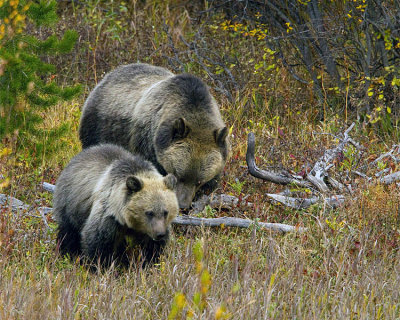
(171, 120)
(105, 196)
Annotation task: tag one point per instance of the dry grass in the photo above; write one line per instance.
(327, 273)
(346, 266)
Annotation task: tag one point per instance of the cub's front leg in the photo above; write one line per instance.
(102, 239)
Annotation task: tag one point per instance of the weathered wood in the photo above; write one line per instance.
(217, 201)
(12, 203)
(282, 177)
(390, 178)
(319, 171)
(16, 205)
(302, 203)
(49, 187)
(234, 222)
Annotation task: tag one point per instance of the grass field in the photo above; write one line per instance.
(345, 266)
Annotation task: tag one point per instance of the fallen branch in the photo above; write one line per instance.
(319, 171)
(49, 187)
(302, 203)
(282, 177)
(317, 179)
(390, 178)
(390, 153)
(17, 205)
(217, 201)
(234, 222)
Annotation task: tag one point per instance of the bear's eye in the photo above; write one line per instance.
(165, 214)
(149, 214)
(198, 184)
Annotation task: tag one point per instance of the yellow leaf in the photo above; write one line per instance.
(388, 110)
(5, 183)
(5, 152)
(370, 94)
(180, 300)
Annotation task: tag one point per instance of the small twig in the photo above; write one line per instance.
(362, 175)
(44, 219)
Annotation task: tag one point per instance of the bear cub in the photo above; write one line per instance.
(105, 196)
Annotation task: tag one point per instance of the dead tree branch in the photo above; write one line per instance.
(234, 222)
(17, 205)
(302, 203)
(317, 179)
(278, 178)
(390, 178)
(319, 172)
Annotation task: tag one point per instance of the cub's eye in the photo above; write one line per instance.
(198, 184)
(149, 214)
(165, 214)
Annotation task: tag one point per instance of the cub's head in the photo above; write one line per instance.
(194, 155)
(151, 204)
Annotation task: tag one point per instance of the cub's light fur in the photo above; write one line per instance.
(171, 120)
(105, 195)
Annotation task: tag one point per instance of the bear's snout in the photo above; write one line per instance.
(160, 236)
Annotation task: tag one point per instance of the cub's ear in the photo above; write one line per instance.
(134, 184)
(220, 136)
(180, 129)
(170, 181)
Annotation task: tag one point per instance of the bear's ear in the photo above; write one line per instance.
(220, 136)
(180, 129)
(134, 184)
(170, 181)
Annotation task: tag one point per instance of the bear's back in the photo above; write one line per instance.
(75, 187)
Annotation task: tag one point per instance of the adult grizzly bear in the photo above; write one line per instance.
(106, 195)
(171, 120)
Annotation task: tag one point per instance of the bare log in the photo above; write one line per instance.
(234, 222)
(275, 177)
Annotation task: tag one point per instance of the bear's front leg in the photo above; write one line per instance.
(100, 239)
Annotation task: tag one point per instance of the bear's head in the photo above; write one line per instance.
(151, 204)
(194, 155)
